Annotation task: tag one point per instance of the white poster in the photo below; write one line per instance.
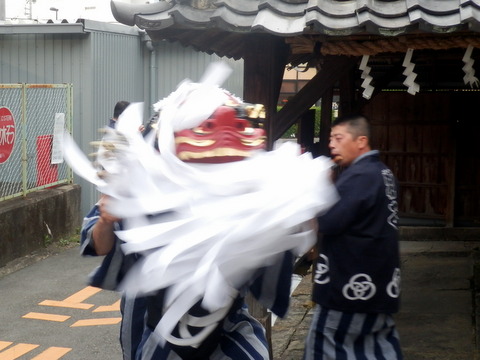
(57, 154)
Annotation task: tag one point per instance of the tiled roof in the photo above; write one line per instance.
(351, 27)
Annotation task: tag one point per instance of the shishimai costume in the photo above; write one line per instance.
(236, 336)
(207, 216)
(357, 275)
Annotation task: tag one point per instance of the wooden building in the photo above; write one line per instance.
(409, 65)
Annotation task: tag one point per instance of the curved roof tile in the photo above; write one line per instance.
(333, 8)
(350, 15)
(126, 13)
(247, 7)
(212, 21)
(268, 21)
(282, 8)
(229, 20)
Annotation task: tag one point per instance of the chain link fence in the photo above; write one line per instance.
(32, 121)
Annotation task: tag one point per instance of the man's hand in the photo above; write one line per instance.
(103, 235)
(105, 216)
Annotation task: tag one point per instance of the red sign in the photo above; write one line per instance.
(7, 134)
(46, 172)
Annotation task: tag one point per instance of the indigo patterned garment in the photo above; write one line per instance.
(239, 335)
(357, 273)
(358, 268)
(336, 335)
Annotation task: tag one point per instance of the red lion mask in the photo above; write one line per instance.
(226, 136)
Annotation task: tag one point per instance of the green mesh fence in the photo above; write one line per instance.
(32, 121)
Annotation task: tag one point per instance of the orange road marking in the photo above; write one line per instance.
(52, 353)
(4, 344)
(96, 322)
(83, 294)
(48, 317)
(65, 304)
(114, 307)
(16, 351)
(75, 301)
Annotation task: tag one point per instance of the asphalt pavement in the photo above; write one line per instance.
(48, 311)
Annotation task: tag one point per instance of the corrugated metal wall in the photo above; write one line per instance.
(113, 68)
(105, 64)
(176, 62)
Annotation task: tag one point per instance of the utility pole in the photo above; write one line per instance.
(29, 9)
(2, 10)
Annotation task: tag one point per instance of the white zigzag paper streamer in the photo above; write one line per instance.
(367, 79)
(468, 69)
(225, 221)
(413, 87)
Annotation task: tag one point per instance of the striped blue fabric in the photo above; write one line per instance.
(336, 335)
(132, 326)
(242, 336)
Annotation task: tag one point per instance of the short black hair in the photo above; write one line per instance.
(119, 108)
(358, 125)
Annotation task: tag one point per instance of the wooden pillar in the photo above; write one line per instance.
(306, 130)
(265, 58)
(325, 123)
(451, 179)
(347, 92)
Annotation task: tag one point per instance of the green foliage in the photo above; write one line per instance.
(47, 240)
(291, 133)
(73, 240)
(69, 240)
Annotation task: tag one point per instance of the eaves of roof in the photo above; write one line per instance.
(210, 25)
(50, 28)
(290, 17)
(63, 27)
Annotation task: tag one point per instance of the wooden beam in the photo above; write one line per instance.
(332, 68)
(265, 58)
(325, 123)
(347, 92)
(306, 130)
(451, 184)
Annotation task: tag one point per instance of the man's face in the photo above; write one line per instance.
(343, 147)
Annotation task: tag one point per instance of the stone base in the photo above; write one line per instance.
(29, 223)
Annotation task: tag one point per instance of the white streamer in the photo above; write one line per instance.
(368, 89)
(413, 87)
(468, 69)
(224, 220)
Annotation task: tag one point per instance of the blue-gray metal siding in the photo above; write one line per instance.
(105, 65)
(176, 62)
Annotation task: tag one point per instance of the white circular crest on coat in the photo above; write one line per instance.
(393, 287)
(321, 272)
(360, 287)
